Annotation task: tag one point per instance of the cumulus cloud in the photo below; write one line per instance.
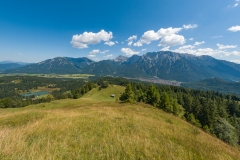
(165, 48)
(128, 51)
(94, 52)
(234, 28)
(131, 39)
(104, 52)
(217, 37)
(169, 36)
(191, 39)
(235, 61)
(222, 47)
(198, 43)
(191, 49)
(91, 55)
(108, 56)
(190, 26)
(110, 43)
(172, 40)
(144, 49)
(235, 5)
(83, 40)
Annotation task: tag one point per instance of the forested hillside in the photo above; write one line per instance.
(214, 112)
(215, 84)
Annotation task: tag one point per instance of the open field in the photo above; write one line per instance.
(73, 76)
(95, 127)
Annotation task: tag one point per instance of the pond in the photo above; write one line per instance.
(39, 93)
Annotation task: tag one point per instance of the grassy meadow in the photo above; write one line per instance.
(98, 127)
(71, 76)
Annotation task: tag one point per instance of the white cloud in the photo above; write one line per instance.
(190, 26)
(116, 42)
(168, 36)
(235, 5)
(191, 39)
(217, 37)
(144, 49)
(234, 28)
(128, 51)
(83, 40)
(93, 52)
(222, 47)
(198, 43)
(108, 56)
(131, 39)
(104, 52)
(165, 48)
(172, 40)
(190, 49)
(235, 61)
(138, 44)
(110, 43)
(92, 55)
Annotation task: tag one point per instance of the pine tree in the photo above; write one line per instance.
(165, 103)
(153, 96)
(128, 95)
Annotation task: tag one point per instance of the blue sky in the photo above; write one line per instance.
(33, 31)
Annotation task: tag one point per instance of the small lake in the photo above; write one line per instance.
(36, 93)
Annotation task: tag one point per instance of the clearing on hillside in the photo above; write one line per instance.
(86, 128)
(105, 93)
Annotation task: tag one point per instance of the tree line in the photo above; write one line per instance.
(216, 113)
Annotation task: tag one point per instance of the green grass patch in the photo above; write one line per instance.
(104, 94)
(71, 76)
(94, 127)
(17, 120)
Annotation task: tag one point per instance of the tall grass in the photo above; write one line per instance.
(89, 129)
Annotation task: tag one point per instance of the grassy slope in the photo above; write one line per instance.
(89, 129)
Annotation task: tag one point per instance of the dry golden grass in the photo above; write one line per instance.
(89, 129)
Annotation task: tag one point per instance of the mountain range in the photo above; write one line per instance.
(164, 64)
(6, 65)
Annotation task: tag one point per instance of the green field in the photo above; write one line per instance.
(97, 127)
(73, 76)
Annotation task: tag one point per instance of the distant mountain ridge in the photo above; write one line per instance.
(6, 65)
(164, 64)
(61, 65)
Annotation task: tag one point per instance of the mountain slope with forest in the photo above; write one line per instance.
(164, 65)
(215, 84)
(58, 65)
(93, 128)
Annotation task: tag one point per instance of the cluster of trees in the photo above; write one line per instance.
(216, 113)
(11, 88)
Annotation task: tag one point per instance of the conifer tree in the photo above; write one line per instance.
(165, 103)
(128, 95)
(153, 96)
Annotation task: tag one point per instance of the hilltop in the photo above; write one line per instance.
(96, 126)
